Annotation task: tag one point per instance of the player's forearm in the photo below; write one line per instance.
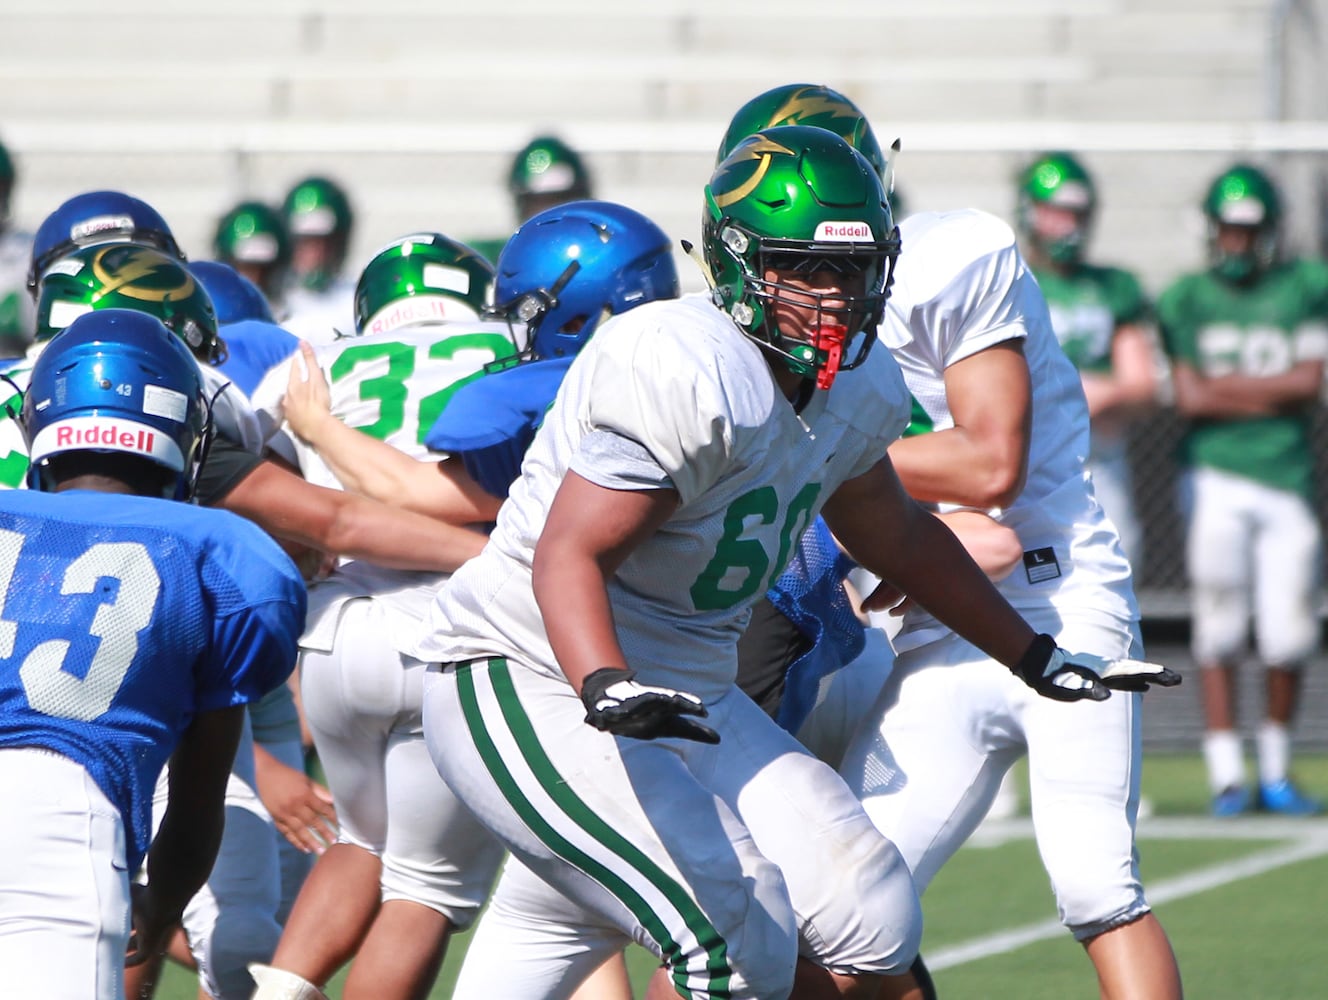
(400, 539)
(941, 577)
(363, 464)
(578, 618)
(182, 855)
(953, 466)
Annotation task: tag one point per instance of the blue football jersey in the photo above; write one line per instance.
(123, 616)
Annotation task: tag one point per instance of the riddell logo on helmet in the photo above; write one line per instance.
(416, 309)
(123, 438)
(106, 434)
(843, 232)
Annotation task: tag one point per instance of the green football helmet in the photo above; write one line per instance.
(126, 276)
(805, 104)
(813, 104)
(1060, 180)
(1243, 195)
(546, 172)
(318, 216)
(422, 278)
(798, 197)
(252, 238)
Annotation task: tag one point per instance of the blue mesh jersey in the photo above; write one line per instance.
(810, 592)
(121, 617)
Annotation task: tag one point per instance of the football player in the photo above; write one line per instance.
(690, 443)
(303, 516)
(1247, 341)
(187, 616)
(1102, 319)
(319, 221)
(968, 326)
(399, 871)
(251, 237)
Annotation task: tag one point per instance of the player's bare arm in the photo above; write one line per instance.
(1237, 395)
(982, 461)
(185, 847)
(373, 468)
(893, 536)
(589, 532)
(289, 507)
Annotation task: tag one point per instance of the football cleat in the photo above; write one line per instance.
(1231, 802)
(1285, 798)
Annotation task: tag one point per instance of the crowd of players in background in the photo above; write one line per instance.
(418, 358)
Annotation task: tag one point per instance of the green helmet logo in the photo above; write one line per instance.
(805, 104)
(317, 209)
(421, 278)
(799, 198)
(1243, 195)
(125, 276)
(1059, 180)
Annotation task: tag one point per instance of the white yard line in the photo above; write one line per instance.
(1309, 840)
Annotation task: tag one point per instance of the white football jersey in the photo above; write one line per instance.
(391, 385)
(962, 286)
(320, 317)
(672, 394)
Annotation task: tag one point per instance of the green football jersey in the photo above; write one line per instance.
(1261, 329)
(1087, 306)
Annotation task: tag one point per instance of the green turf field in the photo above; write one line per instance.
(1241, 899)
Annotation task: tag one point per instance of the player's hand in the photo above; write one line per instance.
(149, 927)
(616, 703)
(301, 808)
(1054, 673)
(308, 399)
(1128, 675)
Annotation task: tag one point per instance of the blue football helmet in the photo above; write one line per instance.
(234, 296)
(117, 381)
(97, 217)
(569, 267)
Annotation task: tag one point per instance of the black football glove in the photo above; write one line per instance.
(616, 703)
(1054, 673)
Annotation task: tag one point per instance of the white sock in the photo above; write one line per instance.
(1222, 753)
(1274, 743)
